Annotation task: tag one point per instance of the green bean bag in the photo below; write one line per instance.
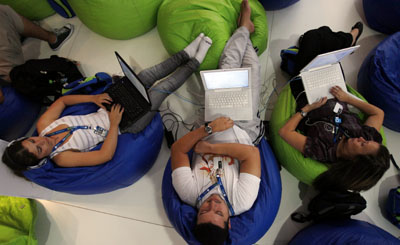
(31, 9)
(117, 19)
(181, 21)
(304, 169)
(17, 220)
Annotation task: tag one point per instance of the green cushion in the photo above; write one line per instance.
(31, 9)
(17, 220)
(304, 169)
(181, 21)
(117, 19)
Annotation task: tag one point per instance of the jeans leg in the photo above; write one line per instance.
(157, 94)
(239, 52)
(234, 50)
(152, 74)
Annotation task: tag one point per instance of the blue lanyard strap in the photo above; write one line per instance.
(223, 194)
(70, 130)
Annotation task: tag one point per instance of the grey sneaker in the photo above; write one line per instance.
(63, 34)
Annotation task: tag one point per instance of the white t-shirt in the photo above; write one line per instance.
(241, 188)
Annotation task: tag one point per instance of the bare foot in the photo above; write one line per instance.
(244, 17)
(354, 33)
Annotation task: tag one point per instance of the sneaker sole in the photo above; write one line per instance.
(66, 39)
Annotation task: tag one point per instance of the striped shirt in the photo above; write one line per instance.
(82, 139)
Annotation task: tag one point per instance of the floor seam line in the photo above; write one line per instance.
(115, 215)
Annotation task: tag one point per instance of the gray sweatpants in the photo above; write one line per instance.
(183, 67)
(11, 28)
(239, 52)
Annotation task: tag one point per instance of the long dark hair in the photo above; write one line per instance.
(210, 234)
(18, 158)
(358, 174)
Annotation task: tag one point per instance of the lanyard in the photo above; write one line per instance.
(223, 194)
(338, 121)
(70, 130)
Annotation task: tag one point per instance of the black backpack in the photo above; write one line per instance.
(39, 78)
(332, 205)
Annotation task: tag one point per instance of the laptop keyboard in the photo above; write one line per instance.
(123, 95)
(228, 100)
(323, 77)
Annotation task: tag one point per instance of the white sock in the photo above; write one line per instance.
(191, 49)
(205, 44)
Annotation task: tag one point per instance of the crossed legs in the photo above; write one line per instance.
(181, 65)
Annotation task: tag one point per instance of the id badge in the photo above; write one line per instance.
(338, 108)
(101, 131)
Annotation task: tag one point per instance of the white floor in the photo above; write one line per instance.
(135, 215)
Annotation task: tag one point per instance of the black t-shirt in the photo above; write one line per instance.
(319, 127)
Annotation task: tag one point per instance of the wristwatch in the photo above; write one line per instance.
(208, 128)
(303, 113)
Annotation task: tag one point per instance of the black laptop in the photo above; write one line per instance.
(131, 94)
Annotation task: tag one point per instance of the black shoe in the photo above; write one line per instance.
(359, 25)
(63, 34)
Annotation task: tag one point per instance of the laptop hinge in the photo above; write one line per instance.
(321, 67)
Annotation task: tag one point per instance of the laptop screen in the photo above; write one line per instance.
(226, 79)
(329, 58)
(132, 77)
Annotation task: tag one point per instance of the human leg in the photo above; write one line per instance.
(160, 91)
(152, 74)
(239, 52)
(11, 54)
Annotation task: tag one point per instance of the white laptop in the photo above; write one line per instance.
(323, 72)
(227, 93)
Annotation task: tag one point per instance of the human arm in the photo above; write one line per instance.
(1, 96)
(288, 131)
(181, 147)
(55, 110)
(248, 156)
(375, 115)
(104, 154)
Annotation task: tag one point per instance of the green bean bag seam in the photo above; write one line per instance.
(304, 169)
(181, 21)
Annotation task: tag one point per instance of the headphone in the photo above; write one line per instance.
(10, 159)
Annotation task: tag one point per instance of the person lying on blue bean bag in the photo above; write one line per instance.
(224, 178)
(68, 140)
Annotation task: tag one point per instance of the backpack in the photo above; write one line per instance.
(288, 63)
(393, 206)
(39, 78)
(332, 205)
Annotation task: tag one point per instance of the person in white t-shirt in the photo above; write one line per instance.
(223, 178)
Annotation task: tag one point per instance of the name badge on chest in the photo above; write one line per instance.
(100, 131)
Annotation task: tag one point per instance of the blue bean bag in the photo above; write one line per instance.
(17, 114)
(347, 231)
(383, 15)
(134, 156)
(248, 227)
(62, 7)
(277, 4)
(379, 79)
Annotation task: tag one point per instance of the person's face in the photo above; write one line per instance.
(360, 146)
(39, 146)
(213, 210)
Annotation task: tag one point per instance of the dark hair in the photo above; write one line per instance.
(210, 234)
(18, 158)
(358, 174)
